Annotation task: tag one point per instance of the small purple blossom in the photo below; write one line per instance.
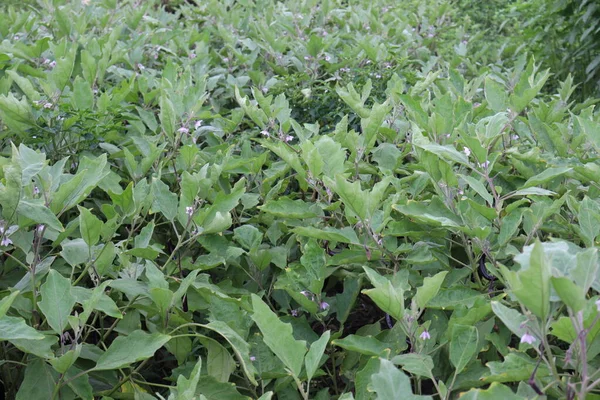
(306, 293)
(265, 133)
(294, 313)
(425, 335)
(288, 138)
(252, 358)
(36, 191)
(5, 242)
(52, 64)
(48, 105)
(484, 164)
(189, 211)
(467, 151)
(527, 338)
(141, 67)
(183, 130)
(198, 124)
(192, 56)
(324, 305)
(40, 228)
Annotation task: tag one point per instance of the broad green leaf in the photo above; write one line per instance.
(463, 346)
(89, 226)
(415, 363)
(589, 220)
(64, 362)
(6, 302)
(57, 300)
(278, 336)
(515, 367)
(513, 319)
(344, 235)
(532, 286)
(433, 213)
(287, 208)
(164, 200)
(248, 236)
(125, 350)
(496, 391)
(546, 176)
(240, 347)
(496, 95)
(429, 289)
(16, 114)
(530, 191)
(10, 190)
(391, 383)
(447, 299)
(219, 363)
(38, 212)
(40, 347)
(73, 191)
(366, 345)
(167, 116)
(16, 328)
(571, 294)
(40, 380)
(352, 196)
(186, 388)
(315, 353)
(510, 226)
(585, 272)
(82, 96)
(333, 156)
(479, 188)
(387, 297)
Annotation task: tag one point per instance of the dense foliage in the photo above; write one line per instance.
(296, 200)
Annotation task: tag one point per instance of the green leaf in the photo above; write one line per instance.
(496, 391)
(89, 226)
(40, 380)
(585, 271)
(287, 208)
(366, 345)
(571, 294)
(16, 328)
(496, 95)
(73, 191)
(125, 350)
(17, 115)
(387, 297)
(415, 363)
(352, 196)
(344, 235)
(433, 213)
(510, 226)
(514, 368)
(57, 300)
(391, 383)
(315, 353)
(513, 319)
(186, 388)
(167, 115)
(479, 188)
(6, 302)
(278, 336)
(532, 285)
(463, 346)
(83, 97)
(429, 289)
(589, 220)
(546, 176)
(38, 212)
(239, 346)
(164, 200)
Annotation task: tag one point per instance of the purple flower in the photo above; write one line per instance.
(36, 190)
(527, 338)
(324, 305)
(198, 124)
(265, 133)
(6, 242)
(425, 335)
(189, 211)
(183, 129)
(294, 313)
(467, 151)
(252, 358)
(306, 293)
(40, 228)
(288, 138)
(192, 56)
